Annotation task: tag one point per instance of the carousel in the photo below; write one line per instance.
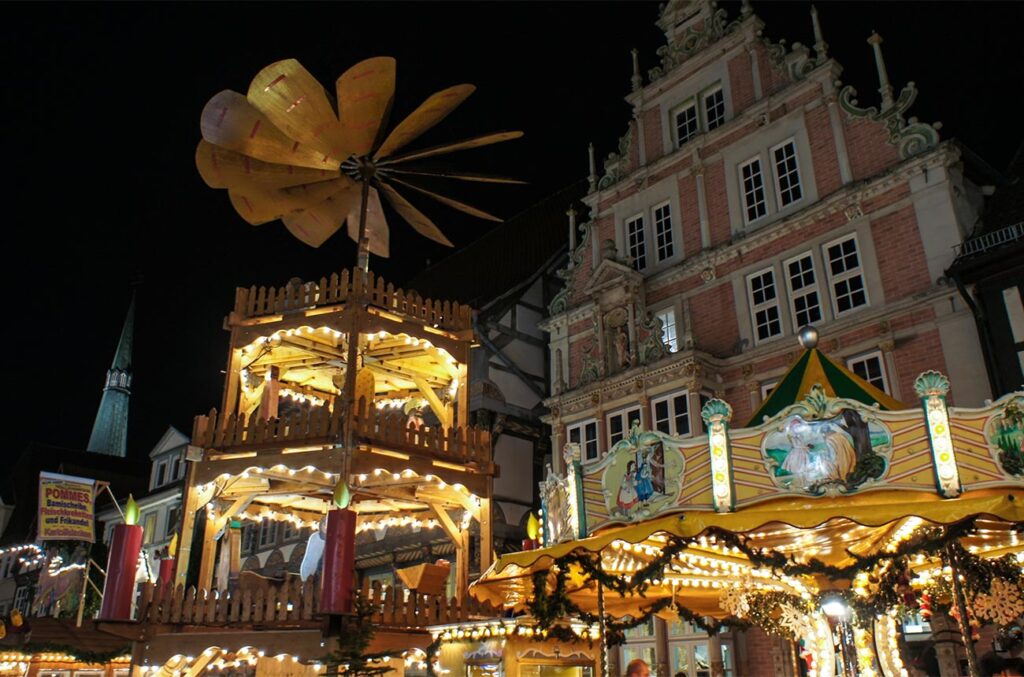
(829, 522)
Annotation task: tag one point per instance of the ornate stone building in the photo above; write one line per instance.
(753, 194)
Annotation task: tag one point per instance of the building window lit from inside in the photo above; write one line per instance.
(585, 435)
(871, 368)
(635, 242)
(669, 337)
(619, 424)
(764, 305)
(671, 414)
(845, 275)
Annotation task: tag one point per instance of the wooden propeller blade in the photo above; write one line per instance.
(259, 205)
(462, 176)
(365, 93)
(297, 104)
(231, 122)
(315, 224)
(222, 168)
(377, 231)
(454, 204)
(436, 108)
(419, 222)
(477, 142)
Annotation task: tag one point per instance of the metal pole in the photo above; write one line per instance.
(961, 607)
(604, 634)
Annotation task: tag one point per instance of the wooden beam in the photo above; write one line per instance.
(443, 413)
(239, 504)
(404, 373)
(446, 523)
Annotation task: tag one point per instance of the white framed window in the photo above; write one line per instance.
(804, 299)
(845, 275)
(687, 123)
(714, 108)
(669, 336)
(767, 387)
(22, 599)
(173, 520)
(160, 475)
(88, 673)
(288, 532)
(619, 424)
(752, 182)
(671, 413)
(268, 532)
(787, 174)
(636, 244)
(148, 527)
(584, 434)
(871, 368)
(249, 537)
(764, 305)
(663, 244)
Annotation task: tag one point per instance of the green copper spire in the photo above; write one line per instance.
(110, 429)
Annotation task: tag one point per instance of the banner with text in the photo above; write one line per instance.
(66, 508)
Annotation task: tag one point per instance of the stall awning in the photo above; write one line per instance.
(827, 529)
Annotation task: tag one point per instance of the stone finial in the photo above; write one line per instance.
(820, 46)
(636, 81)
(592, 177)
(883, 76)
(571, 213)
(746, 9)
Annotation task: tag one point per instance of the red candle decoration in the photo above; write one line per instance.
(119, 588)
(165, 574)
(339, 562)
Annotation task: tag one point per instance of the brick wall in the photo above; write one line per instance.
(741, 82)
(690, 218)
(868, 147)
(823, 150)
(915, 355)
(718, 203)
(713, 312)
(652, 134)
(900, 253)
(764, 655)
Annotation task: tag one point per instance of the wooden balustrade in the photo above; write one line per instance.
(293, 602)
(351, 285)
(381, 428)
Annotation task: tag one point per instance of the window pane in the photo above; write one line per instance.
(804, 291)
(668, 329)
(846, 274)
(590, 435)
(764, 305)
(714, 109)
(681, 409)
(574, 434)
(635, 242)
(686, 124)
(870, 369)
(787, 174)
(615, 429)
(663, 231)
(753, 190)
(661, 420)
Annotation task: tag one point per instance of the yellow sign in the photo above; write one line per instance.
(66, 508)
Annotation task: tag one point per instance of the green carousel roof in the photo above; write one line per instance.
(814, 367)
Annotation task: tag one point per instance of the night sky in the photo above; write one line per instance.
(101, 109)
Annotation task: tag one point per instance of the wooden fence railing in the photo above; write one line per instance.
(386, 428)
(351, 285)
(293, 602)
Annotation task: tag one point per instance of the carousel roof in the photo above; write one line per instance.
(815, 368)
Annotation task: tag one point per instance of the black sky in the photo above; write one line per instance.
(101, 116)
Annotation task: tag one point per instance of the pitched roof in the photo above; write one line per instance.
(814, 367)
(503, 257)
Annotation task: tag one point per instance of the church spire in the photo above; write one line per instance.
(110, 429)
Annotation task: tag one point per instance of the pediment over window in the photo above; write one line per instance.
(611, 274)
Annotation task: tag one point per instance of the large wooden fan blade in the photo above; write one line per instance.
(315, 224)
(462, 176)
(222, 168)
(419, 222)
(231, 122)
(454, 204)
(297, 104)
(365, 93)
(259, 205)
(436, 108)
(477, 142)
(377, 231)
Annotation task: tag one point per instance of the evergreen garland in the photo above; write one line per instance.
(77, 653)
(350, 658)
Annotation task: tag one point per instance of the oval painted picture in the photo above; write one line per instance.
(834, 455)
(642, 476)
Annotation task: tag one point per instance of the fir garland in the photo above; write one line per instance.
(77, 653)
